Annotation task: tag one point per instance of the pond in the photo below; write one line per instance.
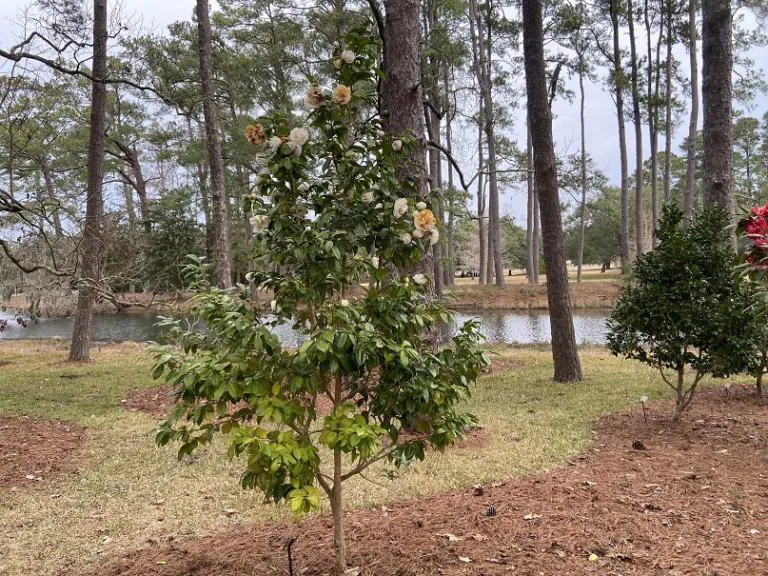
(498, 326)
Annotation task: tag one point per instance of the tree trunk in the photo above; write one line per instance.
(403, 93)
(536, 228)
(582, 207)
(337, 509)
(529, 243)
(482, 222)
(668, 106)
(618, 79)
(638, 121)
(50, 189)
(690, 164)
(79, 350)
(759, 382)
(717, 68)
(129, 208)
(450, 264)
(564, 352)
(652, 108)
(220, 221)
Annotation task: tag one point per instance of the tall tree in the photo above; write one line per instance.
(638, 121)
(717, 70)
(668, 103)
(79, 350)
(690, 167)
(219, 217)
(564, 351)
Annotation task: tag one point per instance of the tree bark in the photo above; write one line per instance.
(618, 80)
(129, 208)
(51, 193)
(638, 121)
(564, 351)
(529, 239)
(79, 350)
(582, 207)
(652, 111)
(482, 221)
(450, 264)
(668, 110)
(220, 220)
(717, 68)
(690, 163)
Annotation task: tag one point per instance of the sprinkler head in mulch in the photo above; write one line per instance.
(638, 445)
(491, 511)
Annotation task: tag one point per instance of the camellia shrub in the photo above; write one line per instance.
(342, 238)
(684, 311)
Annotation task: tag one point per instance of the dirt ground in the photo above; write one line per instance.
(525, 297)
(33, 451)
(651, 499)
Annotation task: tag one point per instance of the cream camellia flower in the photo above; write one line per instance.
(344, 303)
(424, 220)
(421, 206)
(348, 56)
(380, 133)
(420, 279)
(367, 197)
(338, 64)
(314, 98)
(342, 94)
(379, 206)
(275, 142)
(273, 305)
(259, 223)
(375, 261)
(434, 236)
(303, 187)
(397, 145)
(259, 180)
(406, 238)
(401, 207)
(299, 135)
(294, 148)
(417, 233)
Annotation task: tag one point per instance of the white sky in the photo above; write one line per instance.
(601, 123)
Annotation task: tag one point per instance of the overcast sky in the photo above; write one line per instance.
(601, 131)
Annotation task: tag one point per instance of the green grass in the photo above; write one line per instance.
(125, 489)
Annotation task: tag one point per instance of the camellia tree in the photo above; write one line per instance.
(684, 312)
(328, 213)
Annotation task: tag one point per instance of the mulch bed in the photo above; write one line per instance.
(652, 499)
(33, 451)
(155, 401)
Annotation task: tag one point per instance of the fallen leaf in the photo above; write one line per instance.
(352, 571)
(479, 537)
(754, 531)
(160, 562)
(464, 559)
(30, 476)
(451, 537)
(593, 557)
(531, 517)
(230, 511)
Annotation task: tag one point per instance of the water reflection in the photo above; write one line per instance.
(498, 326)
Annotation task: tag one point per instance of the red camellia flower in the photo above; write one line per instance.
(756, 226)
(760, 211)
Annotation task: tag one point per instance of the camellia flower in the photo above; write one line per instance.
(344, 303)
(434, 236)
(294, 148)
(273, 305)
(756, 226)
(299, 135)
(417, 233)
(380, 133)
(421, 206)
(255, 134)
(342, 94)
(259, 180)
(424, 220)
(275, 142)
(406, 238)
(367, 197)
(397, 145)
(420, 279)
(379, 206)
(348, 56)
(338, 64)
(314, 98)
(259, 223)
(759, 210)
(401, 207)
(375, 261)
(303, 187)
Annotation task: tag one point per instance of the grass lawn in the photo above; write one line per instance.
(123, 492)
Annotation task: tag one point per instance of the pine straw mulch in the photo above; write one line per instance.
(32, 451)
(687, 499)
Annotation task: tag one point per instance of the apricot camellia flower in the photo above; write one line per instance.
(424, 220)
(314, 98)
(255, 134)
(342, 94)
(401, 207)
(348, 56)
(299, 136)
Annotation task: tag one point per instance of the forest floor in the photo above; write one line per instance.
(113, 503)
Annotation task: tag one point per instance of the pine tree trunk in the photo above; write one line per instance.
(532, 256)
(717, 68)
(129, 207)
(652, 108)
(638, 121)
(79, 350)
(690, 164)
(582, 207)
(668, 107)
(220, 220)
(51, 192)
(536, 230)
(482, 221)
(564, 351)
(618, 79)
(450, 265)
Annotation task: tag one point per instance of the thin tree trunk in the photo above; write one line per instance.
(618, 79)
(717, 68)
(536, 229)
(489, 267)
(582, 208)
(532, 256)
(337, 509)
(638, 121)
(436, 183)
(79, 350)
(220, 220)
(668, 105)
(690, 164)
(564, 351)
(652, 108)
(129, 208)
(50, 189)
(450, 265)
(481, 203)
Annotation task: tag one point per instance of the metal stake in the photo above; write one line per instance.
(288, 543)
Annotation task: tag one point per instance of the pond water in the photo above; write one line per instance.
(498, 326)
